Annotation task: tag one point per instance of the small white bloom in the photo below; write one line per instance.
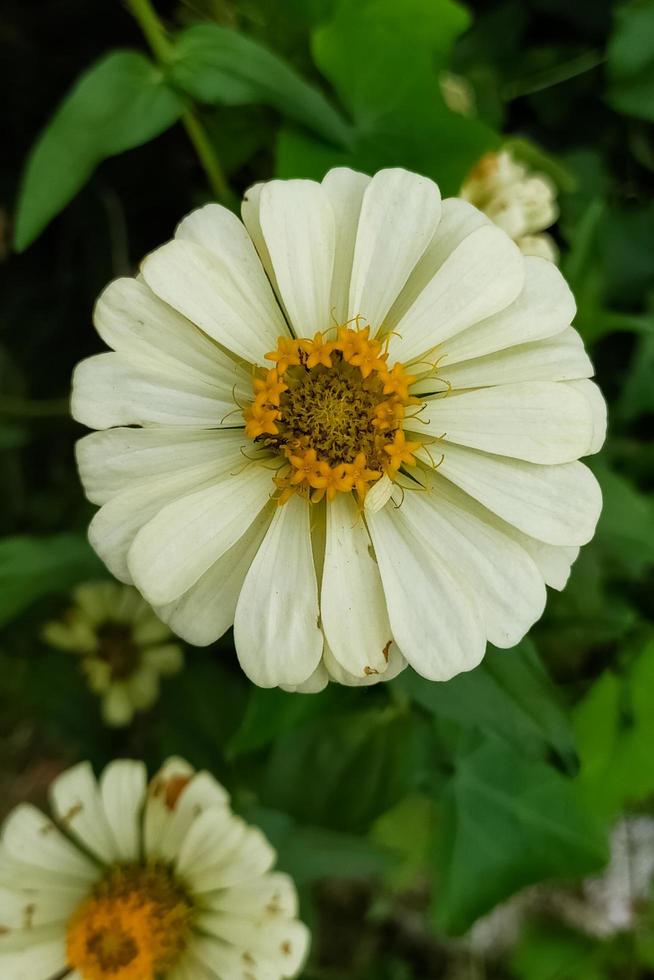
(147, 882)
(124, 647)
(520, 202)
(360, 417)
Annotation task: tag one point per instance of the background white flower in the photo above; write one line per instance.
(123, 645)
(520, 201)
(148, 882)
(450, 404)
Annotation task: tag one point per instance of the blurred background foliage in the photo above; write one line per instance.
(408, 811)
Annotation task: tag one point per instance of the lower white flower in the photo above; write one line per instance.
(520, 202)
(124, 647)
(360, 419)
(143, 882)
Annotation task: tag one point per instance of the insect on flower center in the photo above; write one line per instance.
(134, 925)
(333, 410)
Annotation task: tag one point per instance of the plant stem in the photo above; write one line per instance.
(160, 45)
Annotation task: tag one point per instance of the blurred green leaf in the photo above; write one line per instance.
(554, 953)
(34, 567)
(631, 60)
(361, 762)
(272, 712)
(407, 830)
(507, 822)
(120, 102)
(509, 694)
(626, 528)
(220, 66)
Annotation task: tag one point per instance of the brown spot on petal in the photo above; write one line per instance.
(28, 913)
(286, 948)
(368, 671)
(385, 651)
(174, 789)
(46, 828)
(4, 930)
(72, 813)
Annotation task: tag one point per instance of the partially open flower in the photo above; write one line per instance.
(521, 202)
(359, 418)
(143, 882)
(123, 645)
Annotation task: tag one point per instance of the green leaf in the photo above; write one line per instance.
(362, 764)
(631, 60)
(509, 694)
(219, 66)
(508, 822)
(34, 567)
(273, 712)
(554, 953)
(120, 102)
(407, 829)
(626, 528)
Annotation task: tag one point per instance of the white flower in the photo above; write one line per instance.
(147, 882)
(397, 375)
(520, 202)
(124, 647)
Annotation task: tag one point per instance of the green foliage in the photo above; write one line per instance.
(34, 567)
(631, 60)
(119, 103)
(507, 822)
(220, 67)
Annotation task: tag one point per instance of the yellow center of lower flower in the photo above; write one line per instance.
(333, 410)
(134, 926)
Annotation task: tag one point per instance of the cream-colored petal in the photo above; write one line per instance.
(228, 298)
(595, 399)
(399, 214)
(123, 786)
(396, 664)
(31, 838)
(298, 225)
(539, 421)
(77, 805)
(40, 960)
(314, 684)
(352, 603)
(276, 627)
(482, 276)
(345, 189)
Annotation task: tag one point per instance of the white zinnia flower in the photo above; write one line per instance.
(398, 375)
(146, 882)
(124, 647)
(519, 201)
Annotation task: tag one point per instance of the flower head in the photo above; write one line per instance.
(520, 202)
(123, 645)
(350, 426)
(138, 881)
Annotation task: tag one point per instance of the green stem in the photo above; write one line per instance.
(157, 38)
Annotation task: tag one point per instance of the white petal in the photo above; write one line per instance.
(220, 850)
(77, 805)
(177, 546)
(482, 276)
(202, 792)
(161, 802)
(119, 389)
(207, 610)
(276, 628)
(314, 684)
(435, 620)
(345, 189)
(396, 664)
(279, 944)
(123, 785)
(31, 838)
(250, 213)
(553, 561)
(24, 909)
(544, 308)
(41, 961)
(556, 504)
(228, 298)
(298, 225)
(458, 220)
(272, 896)
(597, 404)
(133, 321)
(559, 358)
(505, 580)
(399, 215)
(540, 421)
(116, 524)
(352, 603)
(121, 459)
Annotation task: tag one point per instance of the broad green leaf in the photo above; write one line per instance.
(33, 567)
(343, 770)
(384, 60)
(554, 953)
(625, 531)
(120, 102)
(273, 712)
(220, 66)
(508, 822)
(509, 694)
(407, 830)
(631, 60)
(310, 853)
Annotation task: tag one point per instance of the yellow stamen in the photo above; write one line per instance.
(400, 451)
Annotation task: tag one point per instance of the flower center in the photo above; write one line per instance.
(134, 926)
(117, 648)
(334, 411)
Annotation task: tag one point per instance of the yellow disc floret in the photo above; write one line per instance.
(134, 926)
(333, 410)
